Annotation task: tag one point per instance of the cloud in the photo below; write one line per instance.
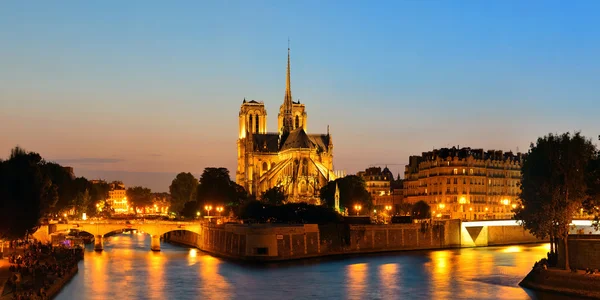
(89, 160)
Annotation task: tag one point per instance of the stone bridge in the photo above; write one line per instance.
(101, 228)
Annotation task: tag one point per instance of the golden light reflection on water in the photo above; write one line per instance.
(512, 249)
(156, 262)
(440, 272)
(356, 275)
(388, 278)
(99, 273)
(214, 285)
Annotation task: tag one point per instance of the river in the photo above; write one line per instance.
(127, 269)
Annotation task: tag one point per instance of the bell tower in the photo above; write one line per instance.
(253, 118)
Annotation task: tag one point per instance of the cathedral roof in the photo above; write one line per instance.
(298, 139)
(321, 140)
(266, 142)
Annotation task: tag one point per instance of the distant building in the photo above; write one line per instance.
(469, 184)
(117, 197)
(70, 171)
(378, 184)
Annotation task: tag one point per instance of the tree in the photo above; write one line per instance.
(554, 186)
(352, 191)
(82, 202)
(139, 196)
(25, 191)
(274, 196)
(190, 210)
(216, 188)
(183, 190)
(421, 210)
(405, 208)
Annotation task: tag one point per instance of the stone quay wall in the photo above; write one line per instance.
(584, 251)
(272, 242)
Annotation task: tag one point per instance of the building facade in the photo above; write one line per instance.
(468, 184)
(378, 183)
(299, 162)
(117, 198)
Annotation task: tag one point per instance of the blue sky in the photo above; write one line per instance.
(143, 89)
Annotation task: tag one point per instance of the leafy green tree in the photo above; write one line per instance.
(274, 196)
(139, 196)
(183, 190)
(352, 191)
(421, 210)
(554, 186)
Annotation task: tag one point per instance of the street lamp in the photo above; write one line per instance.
(357, 208)
(389, 208)
(198, 214)
(208, 208)
(219, 209)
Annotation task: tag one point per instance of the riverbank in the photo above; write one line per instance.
(39, 272)
(564, 282)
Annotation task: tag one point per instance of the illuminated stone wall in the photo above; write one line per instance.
(277, 242)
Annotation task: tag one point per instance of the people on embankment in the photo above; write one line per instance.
(38, 269)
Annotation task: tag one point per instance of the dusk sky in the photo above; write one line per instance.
(140, 90)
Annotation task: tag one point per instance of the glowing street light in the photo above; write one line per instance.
(442, 205)
(357, 208)
(197, 214)
(219, 209)
(208, 208)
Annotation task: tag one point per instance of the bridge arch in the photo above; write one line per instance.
(101, 229)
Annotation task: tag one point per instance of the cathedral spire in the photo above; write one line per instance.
(288, 120)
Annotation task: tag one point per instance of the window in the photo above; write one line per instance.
(455, 171)
(464, 171)
(448, 181)
(256, 124)
(471, 171)
(455, 180)
(250, 123)
(261, 251)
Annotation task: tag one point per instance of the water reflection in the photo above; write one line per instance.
(215, 285)
(156, 275)
(127, 269)
(440, 261)
(357, 276)
(388, 280)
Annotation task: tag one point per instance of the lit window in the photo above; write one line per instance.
(455, 171)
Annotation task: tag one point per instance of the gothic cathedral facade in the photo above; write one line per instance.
(299, 162)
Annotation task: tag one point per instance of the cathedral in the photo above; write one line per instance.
(291, 158)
